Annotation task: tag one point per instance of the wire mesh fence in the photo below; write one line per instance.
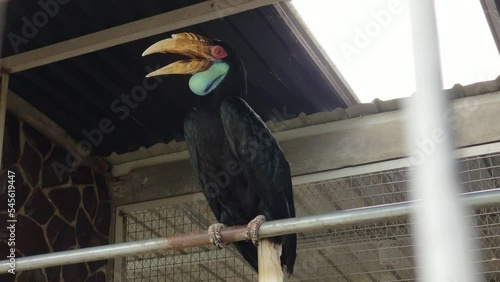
(381, 251)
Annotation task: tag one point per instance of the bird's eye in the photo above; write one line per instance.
(219, 52)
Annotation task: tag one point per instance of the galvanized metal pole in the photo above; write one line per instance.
(3, 111)
(237, 233)
(444, 248)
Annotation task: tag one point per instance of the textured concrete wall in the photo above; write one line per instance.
(325, 147)
(53, 213)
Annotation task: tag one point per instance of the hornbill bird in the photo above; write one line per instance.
(240, 166)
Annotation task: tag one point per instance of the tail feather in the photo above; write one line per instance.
(289, 252)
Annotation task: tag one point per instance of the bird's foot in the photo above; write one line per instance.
(215, 237)
(253, 229)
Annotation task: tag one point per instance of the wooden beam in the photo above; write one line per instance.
(188, 16)
(38, 120)
(327, 68)
(269, 261)
(325, 150)
(491, 11)
(347, 139)
(3, 112)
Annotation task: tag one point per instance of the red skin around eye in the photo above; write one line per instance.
(218, 52)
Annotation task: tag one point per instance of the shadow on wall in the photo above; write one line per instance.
(52, 214)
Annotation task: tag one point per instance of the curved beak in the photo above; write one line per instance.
(194, 46)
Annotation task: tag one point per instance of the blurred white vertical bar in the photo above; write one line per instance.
(442, 232)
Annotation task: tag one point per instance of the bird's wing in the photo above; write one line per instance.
(190, 138)
(260, 157)
(268, 171)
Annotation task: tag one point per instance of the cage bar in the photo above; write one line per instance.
(444, 251)
(237, 233)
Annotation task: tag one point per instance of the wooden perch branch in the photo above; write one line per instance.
(269, 262)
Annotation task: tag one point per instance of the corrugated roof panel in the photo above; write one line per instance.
(54, 22)
(304, 120)
(79, 93)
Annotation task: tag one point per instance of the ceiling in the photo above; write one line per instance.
(81, 92)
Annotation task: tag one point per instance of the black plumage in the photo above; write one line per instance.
(240, 166)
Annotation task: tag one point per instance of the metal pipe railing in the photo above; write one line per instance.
(237, 233)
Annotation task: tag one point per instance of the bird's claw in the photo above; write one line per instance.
(253, 229)
(215, 236)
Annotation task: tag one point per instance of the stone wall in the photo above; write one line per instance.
(53, 213)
